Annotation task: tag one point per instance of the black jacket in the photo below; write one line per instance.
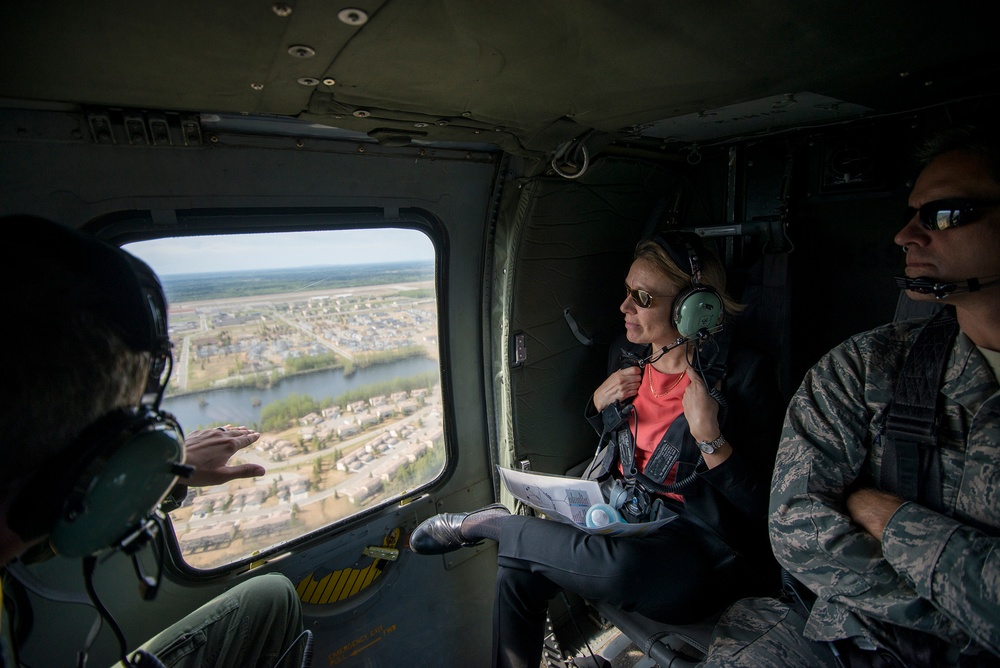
(731, 498)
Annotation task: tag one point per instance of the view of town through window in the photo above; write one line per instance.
(324, 342)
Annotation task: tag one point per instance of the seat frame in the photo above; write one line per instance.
(673, 645)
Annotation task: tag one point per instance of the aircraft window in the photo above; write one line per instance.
(324, 342)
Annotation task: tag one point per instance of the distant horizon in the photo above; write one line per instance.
(283, 250)
(243, 282)
(217, 272)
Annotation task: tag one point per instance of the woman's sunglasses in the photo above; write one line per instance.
(641, 298)
(945, 213)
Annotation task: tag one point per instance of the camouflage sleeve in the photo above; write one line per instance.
(823, 448)
(956, 567)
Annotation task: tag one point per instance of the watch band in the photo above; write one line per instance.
(709, 447)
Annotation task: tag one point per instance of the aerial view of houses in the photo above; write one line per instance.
(330, 462)
(320, 471)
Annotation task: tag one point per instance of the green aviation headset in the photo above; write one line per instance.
(100, 491)
(698, 307)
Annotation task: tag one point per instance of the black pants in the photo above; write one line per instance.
(667, 576)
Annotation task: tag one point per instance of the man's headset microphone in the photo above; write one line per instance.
(942, 215)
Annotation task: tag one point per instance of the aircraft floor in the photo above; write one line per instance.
(590, 643)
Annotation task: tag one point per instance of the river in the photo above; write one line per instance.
(236, 405)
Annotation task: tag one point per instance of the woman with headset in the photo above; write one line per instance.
(689, 424)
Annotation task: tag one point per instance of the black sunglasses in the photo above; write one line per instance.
(642, 298)
(945, 213)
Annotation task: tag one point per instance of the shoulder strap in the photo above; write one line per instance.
(911, 466)
(667, 451)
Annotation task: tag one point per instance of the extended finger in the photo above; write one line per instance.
(242, 437)
(242, 471)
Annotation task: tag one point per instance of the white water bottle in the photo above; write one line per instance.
(601, 515)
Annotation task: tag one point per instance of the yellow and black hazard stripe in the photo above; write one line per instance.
(346, 582)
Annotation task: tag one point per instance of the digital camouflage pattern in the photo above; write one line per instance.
(765, 633)
(937, 573)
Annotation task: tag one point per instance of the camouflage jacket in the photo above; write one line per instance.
(938, 573)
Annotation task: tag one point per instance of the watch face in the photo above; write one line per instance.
(708, 447)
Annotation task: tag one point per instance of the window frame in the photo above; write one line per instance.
(135, 226)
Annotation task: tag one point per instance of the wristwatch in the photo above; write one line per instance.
(708, 447)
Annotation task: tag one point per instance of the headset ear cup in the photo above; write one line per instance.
(42, 499)
(99, 489)
(128, 485)
(696, 308)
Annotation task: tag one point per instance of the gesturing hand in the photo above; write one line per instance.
(209, 451)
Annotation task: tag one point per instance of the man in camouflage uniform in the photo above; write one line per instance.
(889, 581)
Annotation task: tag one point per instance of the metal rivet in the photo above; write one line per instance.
(257, 86)
(467, 114)
(361, 149)
(420, 125)
(302, 51)
(441, 123)
(361, 113)
(329, 81)
(214, 139)
(281, 10)
(309, 81)
(353, 17)
(299, 143)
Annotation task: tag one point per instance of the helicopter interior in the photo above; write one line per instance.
(532, 145)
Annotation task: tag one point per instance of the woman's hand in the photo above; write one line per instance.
(700, 409)
(702, 413)
(209, 451)
(622, 384)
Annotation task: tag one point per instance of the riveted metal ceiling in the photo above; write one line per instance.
(524, 74)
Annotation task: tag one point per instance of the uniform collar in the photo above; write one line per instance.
(968, 379)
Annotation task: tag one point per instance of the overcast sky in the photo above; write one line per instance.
(275, 251)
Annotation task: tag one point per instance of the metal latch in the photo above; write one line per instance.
(387, 553)
(520, 349)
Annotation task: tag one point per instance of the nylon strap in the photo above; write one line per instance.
(911, 462)
(667, 451)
